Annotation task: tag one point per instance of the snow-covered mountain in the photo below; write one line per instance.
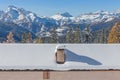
(63, 16)
(93, 17)
(32, 22)
(99, 16)
(26, 19)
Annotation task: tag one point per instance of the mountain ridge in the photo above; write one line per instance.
(33, 23)
(16, 15)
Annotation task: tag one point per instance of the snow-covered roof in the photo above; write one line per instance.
(42, 56)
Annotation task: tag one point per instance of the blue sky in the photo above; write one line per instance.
(50, 7)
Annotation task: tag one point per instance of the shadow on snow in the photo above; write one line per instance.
(71, 56)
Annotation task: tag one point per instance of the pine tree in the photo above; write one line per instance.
(87, 35)
(29, 38)
(24, 37)
(10, 38)
(103, 38)
(77, 36)
(114, 34)
(98, 40)
(53, 35)
(69, 35)
(39, 40)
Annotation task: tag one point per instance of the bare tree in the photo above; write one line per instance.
(10, 38)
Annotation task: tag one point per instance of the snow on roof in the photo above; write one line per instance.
(42, 56)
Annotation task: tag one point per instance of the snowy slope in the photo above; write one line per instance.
(78, 56)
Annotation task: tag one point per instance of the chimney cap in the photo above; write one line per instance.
(60, 47)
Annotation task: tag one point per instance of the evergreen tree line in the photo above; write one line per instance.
(73, 36)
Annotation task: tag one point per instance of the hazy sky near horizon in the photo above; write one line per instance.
(50, 7)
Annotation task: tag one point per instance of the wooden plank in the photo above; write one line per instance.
(46, 75)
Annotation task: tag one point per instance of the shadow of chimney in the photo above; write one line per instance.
(73, 57)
